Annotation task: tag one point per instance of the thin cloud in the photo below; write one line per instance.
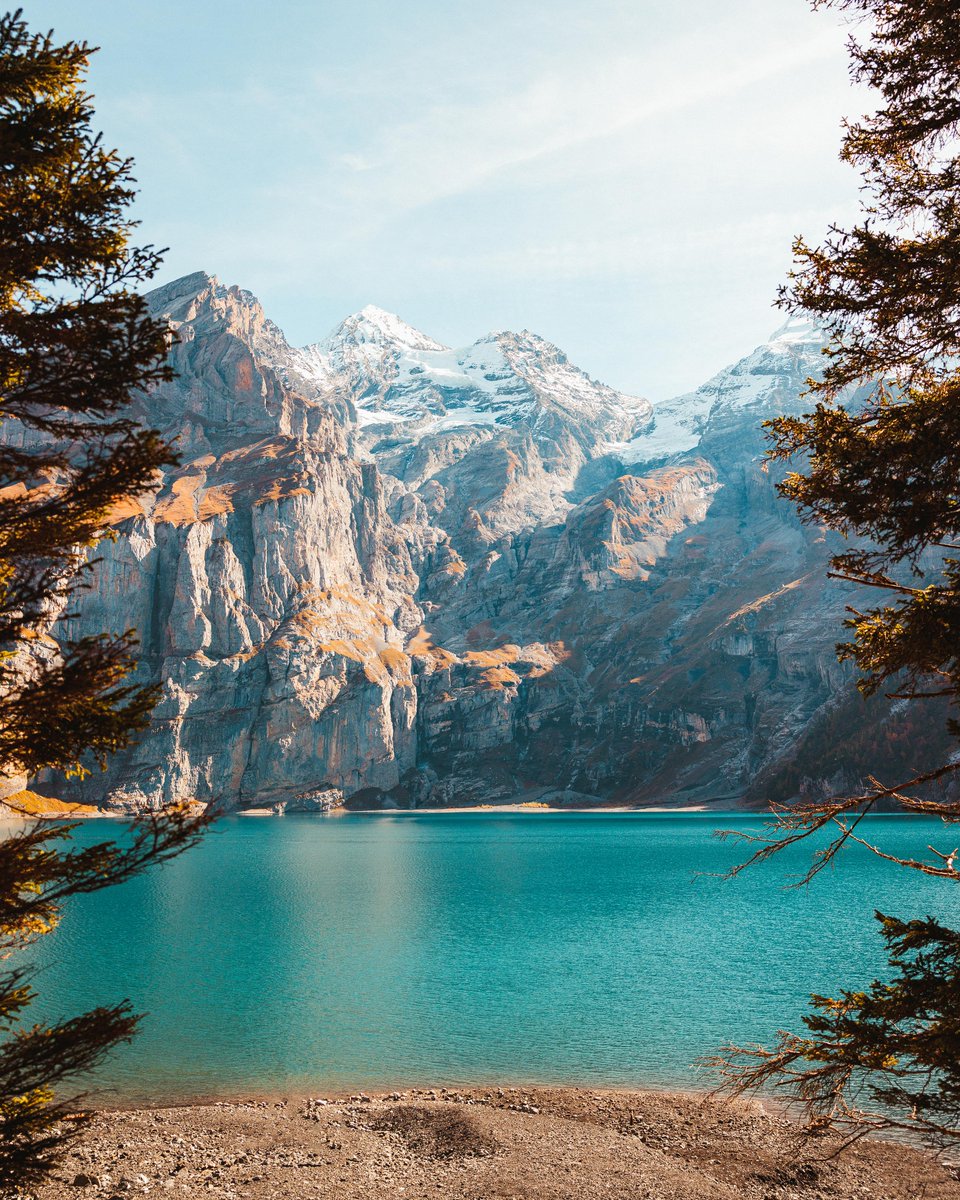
(584, 170)
(452, 150)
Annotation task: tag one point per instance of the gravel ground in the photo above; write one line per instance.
(482, 1144)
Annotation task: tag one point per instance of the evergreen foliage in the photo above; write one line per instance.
(887, 291)
(881, 464)
(887, 1057)
(75, 343)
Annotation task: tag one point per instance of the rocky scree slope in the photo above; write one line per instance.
(394, 573)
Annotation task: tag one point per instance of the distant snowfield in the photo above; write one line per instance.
(399, 376)
(678, 424)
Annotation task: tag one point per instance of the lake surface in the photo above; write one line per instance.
(360, 951)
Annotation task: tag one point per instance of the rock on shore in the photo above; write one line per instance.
(522, 1143)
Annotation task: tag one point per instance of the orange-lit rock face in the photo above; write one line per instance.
(243, 375)
(388, 569)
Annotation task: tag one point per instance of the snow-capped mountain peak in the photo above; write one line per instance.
(768, 380)
(798, 329)
(397, 375)
(376, 326)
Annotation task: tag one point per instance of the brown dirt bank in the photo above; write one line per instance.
(483, 1144)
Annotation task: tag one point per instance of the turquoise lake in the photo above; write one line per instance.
(306, 952)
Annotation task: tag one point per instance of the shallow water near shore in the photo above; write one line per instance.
(364, 951)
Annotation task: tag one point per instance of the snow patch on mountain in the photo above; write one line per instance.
(395, 375)
(777, 369)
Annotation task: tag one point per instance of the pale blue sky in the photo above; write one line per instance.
(623, 178)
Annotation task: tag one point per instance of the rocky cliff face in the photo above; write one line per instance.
(397, 573)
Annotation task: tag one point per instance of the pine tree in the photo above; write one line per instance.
(76, 342)
(880, 462)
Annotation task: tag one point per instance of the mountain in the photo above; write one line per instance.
(765, 383)
(396, 573)
(404, 382)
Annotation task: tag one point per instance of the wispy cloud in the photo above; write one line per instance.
(584, 169)
(453, 149)
(636, 255)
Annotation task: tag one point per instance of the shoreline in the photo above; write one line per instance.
(66, 812)
(519, 1142)
(84, 813)
(522, 807)
(32, 806)
(298, 1092)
